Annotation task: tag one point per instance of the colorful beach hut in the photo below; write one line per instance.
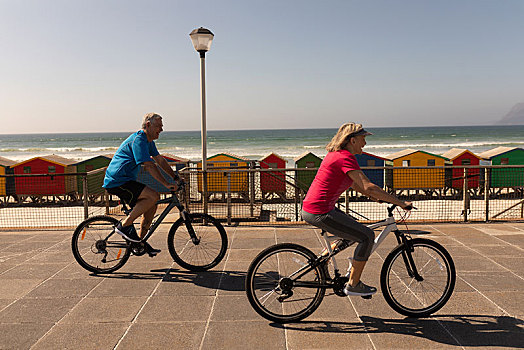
(370, 160)
(417, 178)
(48, 185)
(94, 182)
(7, 185)
(146, 178)
(500, 177)
(461, 156)
(217, 179)
(307, 160)
(273, 182)
(178, 162)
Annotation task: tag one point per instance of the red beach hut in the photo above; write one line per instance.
(48, 185)
(461, 156)
(273, 182)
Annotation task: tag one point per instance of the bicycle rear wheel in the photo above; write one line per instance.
(204, 254)
(418, 298)
(276, 291)
(97, 247)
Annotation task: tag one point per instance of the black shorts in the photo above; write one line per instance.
(128, 192)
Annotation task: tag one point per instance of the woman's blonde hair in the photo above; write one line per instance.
(342, 137)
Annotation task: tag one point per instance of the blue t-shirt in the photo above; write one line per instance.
(124, 166)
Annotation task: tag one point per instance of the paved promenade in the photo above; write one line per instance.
(48, 302)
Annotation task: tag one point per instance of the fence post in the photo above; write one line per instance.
(229, 198)
(252, 185)
(204, 192)
(465, 195)
(347, 202)
(86, 204)
(486, 192)
(106, 200)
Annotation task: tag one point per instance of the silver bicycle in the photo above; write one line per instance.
(287, 282)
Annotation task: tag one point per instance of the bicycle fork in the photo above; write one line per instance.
(408, 258)
(189, 227)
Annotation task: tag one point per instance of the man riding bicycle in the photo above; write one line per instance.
(120, 179)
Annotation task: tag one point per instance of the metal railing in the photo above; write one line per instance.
(252, 195)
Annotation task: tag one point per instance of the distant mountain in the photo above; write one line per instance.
(515, 116)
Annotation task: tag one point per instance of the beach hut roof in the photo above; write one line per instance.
(305, 154)
(496, 152)
(231, 155)
(457, 152)
(170, 156)
(402, 153)
(108, 156)
(375, 156)
(409, 151)
(53, 158)
(271, 153)
(6, 162)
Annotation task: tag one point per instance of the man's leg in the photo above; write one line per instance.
(145, 202)
(147, 219)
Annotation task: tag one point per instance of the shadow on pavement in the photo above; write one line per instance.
(470, 330)
(223, 280)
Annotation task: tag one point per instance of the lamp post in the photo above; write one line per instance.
(202, 39)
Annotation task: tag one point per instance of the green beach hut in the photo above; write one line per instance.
(94, 181)
(500, 177)
(7, 185)
(304, 178)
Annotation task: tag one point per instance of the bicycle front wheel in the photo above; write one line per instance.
(97, 247)
(202, 252)
(282, 286)
(418, 298)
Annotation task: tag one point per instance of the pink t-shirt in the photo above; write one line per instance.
(329, 183)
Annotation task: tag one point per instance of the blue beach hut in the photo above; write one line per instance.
(366, 160)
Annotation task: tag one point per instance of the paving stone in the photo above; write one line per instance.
(86, 336)
(233, 308)
(16, 288)
(256, 335)
(349, 334)
(18, 336)
(494, 281)
(38, 310)
(181, 335)
(109, 310)
(176, 309)
(34, 271)
(510, 301)
(124, 287)
(486, 331)
(63, 288)
(189, 283)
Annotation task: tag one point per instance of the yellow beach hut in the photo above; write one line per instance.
(217, 174)
(410, 178)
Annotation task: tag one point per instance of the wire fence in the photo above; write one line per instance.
(251, 195)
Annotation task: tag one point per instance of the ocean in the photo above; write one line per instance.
(254, 144)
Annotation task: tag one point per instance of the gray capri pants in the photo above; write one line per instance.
(342, 225)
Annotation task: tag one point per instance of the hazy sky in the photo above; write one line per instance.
(100, 65)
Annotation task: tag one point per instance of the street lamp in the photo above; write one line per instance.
(202, 39)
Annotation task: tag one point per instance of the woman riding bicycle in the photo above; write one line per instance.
(338, 172)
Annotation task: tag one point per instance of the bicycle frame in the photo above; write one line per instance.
(390, 225)
(173, 202)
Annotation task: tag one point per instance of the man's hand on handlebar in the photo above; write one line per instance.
(408, 206)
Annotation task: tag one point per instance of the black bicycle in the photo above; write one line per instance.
(287, 282)
(196, 241)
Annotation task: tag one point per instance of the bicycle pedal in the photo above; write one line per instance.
(366, 296)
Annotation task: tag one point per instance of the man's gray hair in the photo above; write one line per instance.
(150, 117)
